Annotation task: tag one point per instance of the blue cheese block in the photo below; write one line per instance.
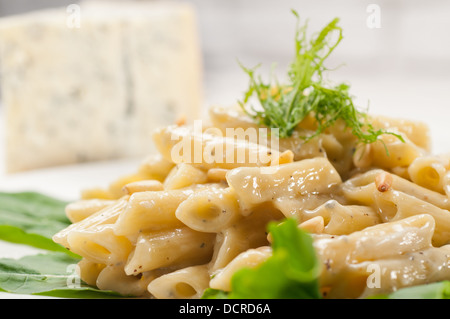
(95, 87)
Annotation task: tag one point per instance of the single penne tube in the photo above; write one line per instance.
(296, 207)
(421, 268)
(186, 283)
(99, 244)
(343, 219)
(430, 171)
(79, 210)
(389, 152)
(113, 278)
(398, 236)
(210, 209)
(107, 215)
(248, 259)
(180, 247)
(310, 176)
(383, 276)
(149, 211)
(150, 185)
(337, 251)
(184, 175)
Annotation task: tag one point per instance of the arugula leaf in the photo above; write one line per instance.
(49, 274)
(211, 293)
(32, 218)
(437, 290)
(290, 273)
(285, 106)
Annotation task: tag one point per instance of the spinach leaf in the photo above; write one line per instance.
(32, 218)
(51, 274)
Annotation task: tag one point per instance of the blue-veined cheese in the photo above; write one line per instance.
(95, 87)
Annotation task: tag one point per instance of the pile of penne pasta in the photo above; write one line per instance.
(378, 213)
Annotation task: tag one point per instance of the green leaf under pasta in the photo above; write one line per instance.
(32, 219)
(51, 274)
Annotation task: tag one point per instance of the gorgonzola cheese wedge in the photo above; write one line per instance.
(96, 89)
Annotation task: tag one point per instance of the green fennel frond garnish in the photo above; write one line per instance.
(285, 106)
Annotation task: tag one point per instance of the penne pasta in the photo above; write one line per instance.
(180, 247)
(255, 185)
(150, 210)
(186, 283)
(250, 258)
(197, 212)
(430, 172)
(107, 215)
(113, 278)
(207, 150)
(184, 175)
(77, 211)
(249, 232)
(99, 244)
(340, 253)
(210, 210)
(143, 186)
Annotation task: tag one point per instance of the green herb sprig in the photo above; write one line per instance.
(285, 106)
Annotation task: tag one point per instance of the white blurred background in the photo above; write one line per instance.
(401, 66)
